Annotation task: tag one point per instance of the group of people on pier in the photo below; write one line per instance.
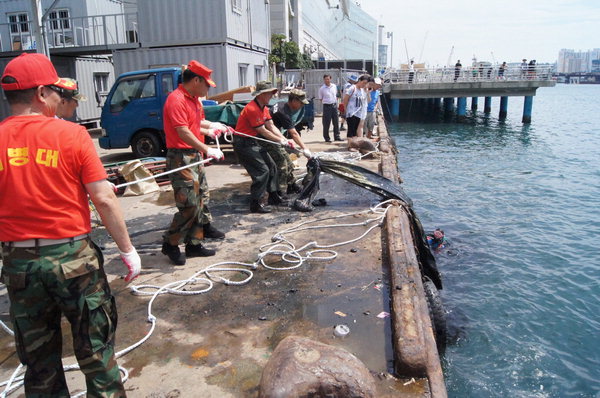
(49, 169)
(356, 105)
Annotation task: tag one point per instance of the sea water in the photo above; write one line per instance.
(520, 205)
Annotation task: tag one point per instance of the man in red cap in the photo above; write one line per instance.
(185, 129)
(48, 167)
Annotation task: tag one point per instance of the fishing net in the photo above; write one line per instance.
(377, 184)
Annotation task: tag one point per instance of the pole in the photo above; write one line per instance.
(38, 28)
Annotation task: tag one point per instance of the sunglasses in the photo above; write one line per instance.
(58, 90)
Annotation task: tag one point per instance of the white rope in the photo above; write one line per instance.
(280, 246)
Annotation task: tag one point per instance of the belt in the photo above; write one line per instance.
(44, 242)
(184, 150)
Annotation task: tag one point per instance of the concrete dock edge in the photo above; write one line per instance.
(415, 350)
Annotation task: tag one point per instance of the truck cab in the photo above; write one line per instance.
(132, 112)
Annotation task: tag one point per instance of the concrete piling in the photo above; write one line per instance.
(487, 106)
(527, 108)
(503, 108)
(474, 103)
(461, 108)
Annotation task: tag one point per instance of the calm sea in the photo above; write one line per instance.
(521, 207)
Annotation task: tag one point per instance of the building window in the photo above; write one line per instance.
(101, 82)
(258, 74)
(243, 69)
(59, 20)
(236, 6)
(19, 23)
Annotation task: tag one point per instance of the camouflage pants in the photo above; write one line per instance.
(191, 197)
(66, 278)
(258, 164)
(284, 165)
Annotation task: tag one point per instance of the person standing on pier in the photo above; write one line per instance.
(51, 266)
(355, 104)
(411, 71)
(457, 68)
(185, 129)
(501, 71)
(255, 121)
(328, 95)
(351, 80)
(524, 68)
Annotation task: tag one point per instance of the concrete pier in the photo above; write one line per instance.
(503, 108)
(474, 103)
(527, 108)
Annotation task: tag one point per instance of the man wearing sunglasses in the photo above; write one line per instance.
(48, 167)
(70, 98)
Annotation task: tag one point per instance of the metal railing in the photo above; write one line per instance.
(99, 30)
(467, 74)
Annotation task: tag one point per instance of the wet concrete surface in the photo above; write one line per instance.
(216, 344)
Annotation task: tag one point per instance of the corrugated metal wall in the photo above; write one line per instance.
(84, 73)
(144, 58)
(177, 22)
(237, 57)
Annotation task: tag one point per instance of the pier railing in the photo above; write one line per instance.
(468, 74)
(89, 31)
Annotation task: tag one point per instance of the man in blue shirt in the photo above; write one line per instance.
(369, 124)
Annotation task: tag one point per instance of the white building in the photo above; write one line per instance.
(571, 61)
(326, 29)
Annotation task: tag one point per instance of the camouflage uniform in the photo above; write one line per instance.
(191, 197)
(283, 163)
(67, 278)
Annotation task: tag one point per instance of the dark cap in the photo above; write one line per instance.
(263, 87)
(299, 95)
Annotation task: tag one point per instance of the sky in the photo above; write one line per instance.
(440, 32)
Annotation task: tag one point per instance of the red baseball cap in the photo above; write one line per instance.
(30, 70)
(201, 70)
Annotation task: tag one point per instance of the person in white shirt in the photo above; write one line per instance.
(328, 96)
(355, 104)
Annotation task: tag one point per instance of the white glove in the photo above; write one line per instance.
(133, 262)
(214, 134)
(283, 142)
(217, 126)
(287, 143)
(306, 152)
(215, 153)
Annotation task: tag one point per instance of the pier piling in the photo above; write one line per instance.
(527, 109)
(395, 109)
(503, 108)
(462, 108)
(487, 106)
(474, 103)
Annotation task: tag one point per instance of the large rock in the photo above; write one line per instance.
(300, 367)
(362, 144)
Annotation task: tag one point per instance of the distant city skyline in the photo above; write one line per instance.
(440, 32)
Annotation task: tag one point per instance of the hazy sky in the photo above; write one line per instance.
(500, 30)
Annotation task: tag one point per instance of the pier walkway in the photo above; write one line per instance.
(434, 84)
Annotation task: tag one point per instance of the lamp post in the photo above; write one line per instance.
(390, 35)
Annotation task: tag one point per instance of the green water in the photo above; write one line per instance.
(521, 207)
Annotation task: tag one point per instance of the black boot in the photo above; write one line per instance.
(276, 198)
(257, 207)
(211, 232)
(198, 251)
(174, 254)
(294, 188)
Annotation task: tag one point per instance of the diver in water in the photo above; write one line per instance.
(437, 240)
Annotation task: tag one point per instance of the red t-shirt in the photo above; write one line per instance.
(44, 163)
(182, 110)
(252, 116)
